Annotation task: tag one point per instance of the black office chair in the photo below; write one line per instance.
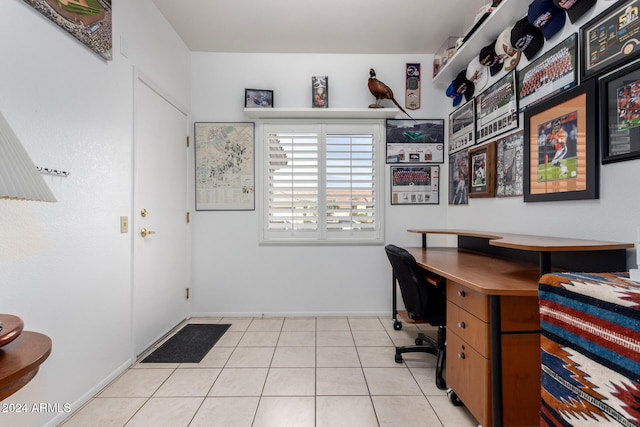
(424, 302)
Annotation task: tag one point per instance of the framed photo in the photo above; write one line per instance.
(459, 178)
(462, 127)
(482, 167)
(419, 141)
(258, 98)
(610, 39)
(560, 147)
(509, 150)
(497, 109)
(620, 109)
(415, 185)
(224, 170)
(552, 73)
(89, 21)
(320, 91)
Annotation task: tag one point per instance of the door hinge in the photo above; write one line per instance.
(187, 141)
(188, 217)
(187, 293)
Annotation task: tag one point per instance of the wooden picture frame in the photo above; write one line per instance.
(482, 171)
(509, 155)
(415, 185)
(620, 114)
(459, 178)
(462, 127)
(415, 141)
(552, 73)
(258, 98)
(610, 39)
(224, 166)
(497, 109)
(560, 147)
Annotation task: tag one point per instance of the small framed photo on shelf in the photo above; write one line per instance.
(610, 39)
(552, 73)
(620, 123)
(497, 109)
(320, 91)
(459, 178)
(482, 167)
(462, 127)
(258, 98)
(415, 185)
(560, 151)
(415, 141)
(509, 150)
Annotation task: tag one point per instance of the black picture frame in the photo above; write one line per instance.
(610, 39)
(459, 178)
(414, 141)
(462, 127)
(258, 98)
(552, 73)
(549, 174)
(415, 185)
(619, 130)
(497, 109)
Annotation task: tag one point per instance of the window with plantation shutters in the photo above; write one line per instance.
(322, 183)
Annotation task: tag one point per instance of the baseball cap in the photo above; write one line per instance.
(460, 86)
(490, 58)
(526, 38)
(503, 47)
(546, 16)
(575, 8)
(477, 74)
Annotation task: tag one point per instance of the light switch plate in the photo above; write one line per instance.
(124, 224)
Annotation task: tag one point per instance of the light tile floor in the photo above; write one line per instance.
(322, 372)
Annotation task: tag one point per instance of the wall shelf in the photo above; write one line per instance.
(324, 113)
(503, 16)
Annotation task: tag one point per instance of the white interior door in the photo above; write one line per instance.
(159, 222)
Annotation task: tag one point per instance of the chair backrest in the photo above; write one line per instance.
(421, 299)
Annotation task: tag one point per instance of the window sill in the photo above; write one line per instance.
(329, 113)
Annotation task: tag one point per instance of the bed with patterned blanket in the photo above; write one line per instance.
(590, 349)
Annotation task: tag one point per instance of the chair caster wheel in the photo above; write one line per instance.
(398, 358)
(418, 341)
(441, 384)
(453, 398)
(397, 325)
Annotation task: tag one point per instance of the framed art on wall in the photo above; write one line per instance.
(320, 91)
(458, 178)
(482, 171)
(509, 150)
(415, 185)
(552, 73)
(415, 141)
(497, 109)
(610, 39)
(462, 127)
(560, 147)
(258, 98)
(620, 108)
(224, 169)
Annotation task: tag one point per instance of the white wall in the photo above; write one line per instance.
(66, 269)
(232, 274)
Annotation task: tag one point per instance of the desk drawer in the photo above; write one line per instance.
(468, 374)
(471, 301)
(468, 327)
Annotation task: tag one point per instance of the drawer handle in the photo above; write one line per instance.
(462, 325)
(462, 294)
(461, 356)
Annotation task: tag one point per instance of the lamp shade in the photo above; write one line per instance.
(19, 178)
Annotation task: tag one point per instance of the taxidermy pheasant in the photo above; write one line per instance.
(381, 91)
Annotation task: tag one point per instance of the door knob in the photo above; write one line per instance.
(144, 232)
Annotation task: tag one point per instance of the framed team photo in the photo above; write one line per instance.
(415, 141)
(415, 185)
(497, 109)
(560, 151)
(462, 128)
(620, 109)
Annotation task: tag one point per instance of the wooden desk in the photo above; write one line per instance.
(493, 326)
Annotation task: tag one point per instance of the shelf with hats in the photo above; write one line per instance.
(503, 16)
(325, 113)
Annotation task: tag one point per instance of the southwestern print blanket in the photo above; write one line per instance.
(590, 350)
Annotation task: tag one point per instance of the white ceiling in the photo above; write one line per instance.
(329, 26)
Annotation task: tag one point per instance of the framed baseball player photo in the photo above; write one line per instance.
(560, 150)
(482, 171)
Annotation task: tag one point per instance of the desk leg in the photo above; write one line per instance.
(496, 360)
(424, 241)
(545, 262)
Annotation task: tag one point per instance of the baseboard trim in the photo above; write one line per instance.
(295, 314)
